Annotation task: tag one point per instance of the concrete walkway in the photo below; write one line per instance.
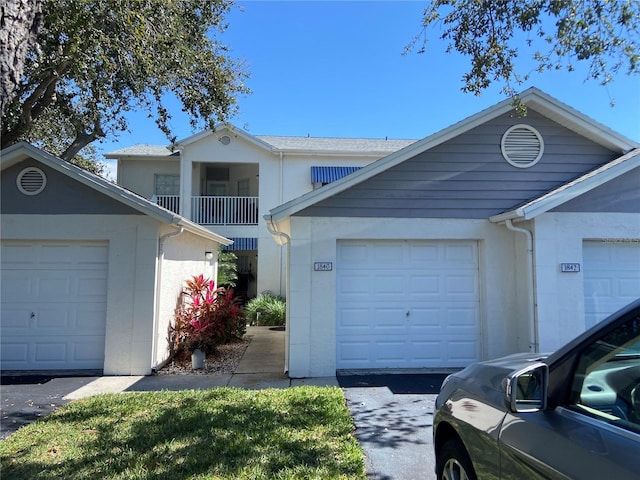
(261, 366)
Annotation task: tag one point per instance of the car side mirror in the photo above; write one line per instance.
(526, 389)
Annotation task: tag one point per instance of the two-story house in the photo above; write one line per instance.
(228, 180)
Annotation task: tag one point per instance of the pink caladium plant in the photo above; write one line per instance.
(206, 317)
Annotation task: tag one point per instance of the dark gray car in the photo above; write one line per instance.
(572, 414)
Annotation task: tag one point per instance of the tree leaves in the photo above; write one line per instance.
(494, 34)
(96, 60)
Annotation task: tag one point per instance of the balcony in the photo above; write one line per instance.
(215, 210)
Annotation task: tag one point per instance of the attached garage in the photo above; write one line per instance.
(90, 272)
(453, 250)
(611, 277)
(54, 305)
(407, 304)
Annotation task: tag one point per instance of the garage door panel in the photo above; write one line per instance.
(419, 253)
(351, 284)
(15, 353)
(54, 297)
(387, 284)
(462, 285)
(387, 254)
(426, 299)
(611, 277)
(384, 352)
(460, 254)
(423, 286)
(12, 319)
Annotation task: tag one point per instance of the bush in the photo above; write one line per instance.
(266, 309)
(205, 318)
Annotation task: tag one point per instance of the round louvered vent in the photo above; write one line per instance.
(522, 146)
(225, 139)
(31, 181)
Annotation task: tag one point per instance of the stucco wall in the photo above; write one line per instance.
(131, 277)
(139, 175)
(278, 182)
(183, 257)
(311, 299)
(558, 238)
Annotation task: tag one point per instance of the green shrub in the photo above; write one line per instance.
(266, 309)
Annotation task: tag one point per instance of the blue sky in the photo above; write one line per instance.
(337, 69)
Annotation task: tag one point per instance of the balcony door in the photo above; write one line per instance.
(216, 189)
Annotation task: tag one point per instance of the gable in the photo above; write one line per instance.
(467, 175)
(61, 195)
(620, 195)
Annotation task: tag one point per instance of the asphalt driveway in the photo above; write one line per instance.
(393, 415)
(27, 398)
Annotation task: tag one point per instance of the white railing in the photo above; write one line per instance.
(170, 202)
(215, 210)
(224, 210)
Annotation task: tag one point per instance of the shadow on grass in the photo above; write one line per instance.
(222, 433)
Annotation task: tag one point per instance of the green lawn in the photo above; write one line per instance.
(223, 433)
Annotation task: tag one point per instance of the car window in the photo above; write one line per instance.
(606, 384)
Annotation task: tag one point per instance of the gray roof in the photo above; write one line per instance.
(142, 150)
(346, 145)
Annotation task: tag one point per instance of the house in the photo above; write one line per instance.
(495, 235)
(227, 180)
(91, 272)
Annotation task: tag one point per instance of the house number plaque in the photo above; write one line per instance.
(323, 266)
(570, 267)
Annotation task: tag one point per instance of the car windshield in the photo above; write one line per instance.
(606, 383)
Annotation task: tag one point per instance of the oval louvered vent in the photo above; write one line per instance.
(522, 146)
(31, 181)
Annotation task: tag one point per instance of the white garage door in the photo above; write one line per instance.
(611, 277)
(54, 298)
(407, 304)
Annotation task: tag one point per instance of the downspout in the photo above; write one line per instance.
(531, 286)
(283, 262)
(286, 241)
(281, 199)
(161, 242)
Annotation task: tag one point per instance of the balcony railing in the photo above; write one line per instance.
(170, 202)
(216, 210)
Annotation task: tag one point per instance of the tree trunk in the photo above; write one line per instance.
(20, 21)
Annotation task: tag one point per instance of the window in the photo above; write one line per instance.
(244, 188)
(606, 385)
(167, 185)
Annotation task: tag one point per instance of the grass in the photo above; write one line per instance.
(224, 433)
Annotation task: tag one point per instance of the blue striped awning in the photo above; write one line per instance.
(330, 174)
(242, 244)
